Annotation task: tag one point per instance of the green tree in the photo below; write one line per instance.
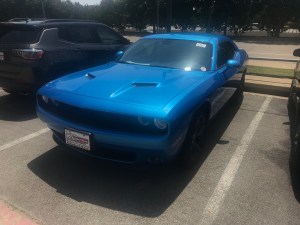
(106, 12)
(241, 15)
(185, 14)
(136, 11)
(274, 16)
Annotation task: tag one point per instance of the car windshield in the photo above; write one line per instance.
(171, 53)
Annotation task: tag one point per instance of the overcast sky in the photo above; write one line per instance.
(87, 2)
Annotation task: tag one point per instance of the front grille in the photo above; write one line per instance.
(98, 120)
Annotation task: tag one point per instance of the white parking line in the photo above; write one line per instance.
(215, 202)
(23, 139)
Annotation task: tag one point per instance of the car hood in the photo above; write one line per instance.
(146, 86)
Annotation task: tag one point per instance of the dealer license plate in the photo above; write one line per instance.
(78, 139)
(1, 56)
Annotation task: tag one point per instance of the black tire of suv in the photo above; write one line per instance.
(238, 96)
(295, 141)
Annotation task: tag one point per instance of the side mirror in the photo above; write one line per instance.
(297, 52)
(119, 54)
(233, 63)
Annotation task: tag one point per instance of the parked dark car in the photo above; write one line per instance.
(34, 52)
(294, 114)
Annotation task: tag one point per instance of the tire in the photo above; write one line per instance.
(292, 117)
(291, 109)
(238, 96)
(192, 148)
(291, 106)
(295, 142)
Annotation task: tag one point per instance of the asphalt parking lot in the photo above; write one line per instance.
(242, 178)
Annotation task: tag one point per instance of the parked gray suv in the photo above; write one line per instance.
(294, 115)
(34, 52)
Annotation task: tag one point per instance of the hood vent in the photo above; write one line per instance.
(144, 84)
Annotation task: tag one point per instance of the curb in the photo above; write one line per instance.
(273, 59)
(272, 85)
(267, 89)
(271, 76)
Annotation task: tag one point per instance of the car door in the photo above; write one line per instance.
(111, 41)
(78, 41)
(226, 51)
(92, 44)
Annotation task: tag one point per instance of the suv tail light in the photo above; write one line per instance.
(29, 53)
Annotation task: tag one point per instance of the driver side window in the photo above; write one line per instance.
(226, 51)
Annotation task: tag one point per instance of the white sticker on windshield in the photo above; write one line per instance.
(203, 69)
(201, 45)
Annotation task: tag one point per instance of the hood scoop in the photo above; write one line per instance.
(133, 85)
(145, 84)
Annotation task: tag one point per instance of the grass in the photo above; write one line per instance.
(271, 72)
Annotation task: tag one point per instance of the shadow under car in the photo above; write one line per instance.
(136, 191)
(17, 107)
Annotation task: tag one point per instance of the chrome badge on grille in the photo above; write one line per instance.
(1, 56)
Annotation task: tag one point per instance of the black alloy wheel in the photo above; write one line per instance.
(193, 146)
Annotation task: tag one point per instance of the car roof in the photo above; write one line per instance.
(192, 36)
(40, 22)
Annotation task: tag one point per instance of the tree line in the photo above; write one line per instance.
(238, 16)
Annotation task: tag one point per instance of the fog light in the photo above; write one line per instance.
(160, 124)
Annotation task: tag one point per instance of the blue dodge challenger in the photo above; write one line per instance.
(152, 104)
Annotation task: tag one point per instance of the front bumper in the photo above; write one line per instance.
(21, 77)
(114, 146)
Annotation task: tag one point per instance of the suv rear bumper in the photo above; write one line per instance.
(23, 80)
(18, 86)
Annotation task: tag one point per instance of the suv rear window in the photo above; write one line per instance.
(18, 35)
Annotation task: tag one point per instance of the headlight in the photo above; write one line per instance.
(160, 124)
(45, 99)
(143, 121)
